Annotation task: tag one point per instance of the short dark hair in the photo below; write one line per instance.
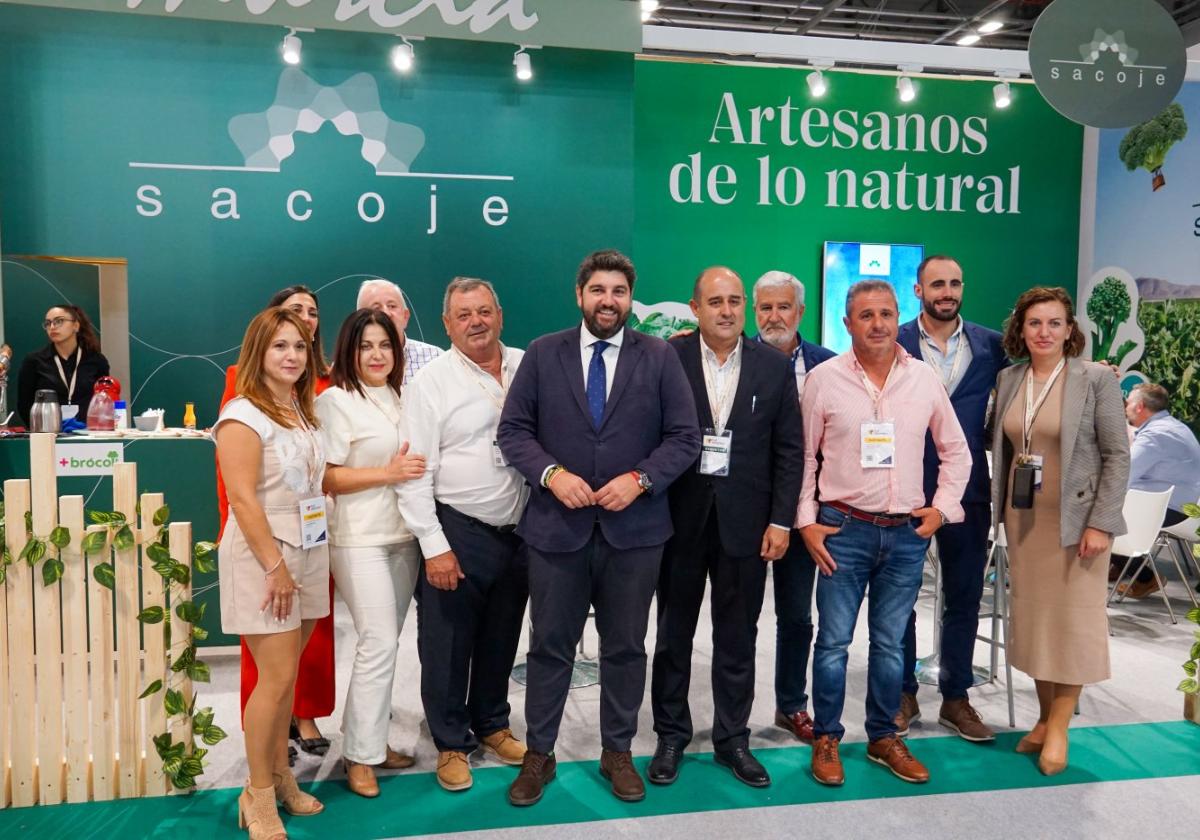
(934, 258)
(607, 260)
(1014, 342)
(344, 373)
(1154, 397)
(864, 286)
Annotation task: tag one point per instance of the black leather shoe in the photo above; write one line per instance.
(664, 767)
(744, 765)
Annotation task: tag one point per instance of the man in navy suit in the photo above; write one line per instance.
(733, 512)
(600, 420)
(968, 358)
(778, 309)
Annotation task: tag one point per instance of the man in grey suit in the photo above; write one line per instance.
(600, 420)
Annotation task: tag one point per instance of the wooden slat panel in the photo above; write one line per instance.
(100, 644)
(5, 739)
(48, 617)
(22, 693)
(75, 652)
(180, 535)
(129, 676)
(154, 662)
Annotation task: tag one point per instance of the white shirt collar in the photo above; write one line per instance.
(924, 332)
(586, 339)
(711, 355)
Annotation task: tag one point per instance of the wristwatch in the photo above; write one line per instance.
(644, 481)
(945, 521)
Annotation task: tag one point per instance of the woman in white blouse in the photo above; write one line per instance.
(374, 558)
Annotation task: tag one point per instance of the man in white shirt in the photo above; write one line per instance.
(464, 511)
(387, 297)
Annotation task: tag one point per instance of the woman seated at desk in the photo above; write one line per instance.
(69, 365)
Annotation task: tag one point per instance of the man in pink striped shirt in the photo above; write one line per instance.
(863, 517)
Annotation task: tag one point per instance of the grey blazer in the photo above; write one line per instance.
(1095, 448)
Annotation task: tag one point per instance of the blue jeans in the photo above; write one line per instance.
(794, 575)
(889, 562)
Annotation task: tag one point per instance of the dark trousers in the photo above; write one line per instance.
(1171, 517)
(467, 637)
(736, 600)
(962, 553)
(619, 584)
(795, 575)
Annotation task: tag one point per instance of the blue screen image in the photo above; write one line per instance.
(845, 263)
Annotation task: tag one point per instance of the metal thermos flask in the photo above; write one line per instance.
(46, 414)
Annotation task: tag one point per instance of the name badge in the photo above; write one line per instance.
(1036, 462)
(314, 528)
(878, 446)
(714, 452)
(497, 455)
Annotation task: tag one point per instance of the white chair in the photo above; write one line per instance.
(1182, 538)
(1143, 512)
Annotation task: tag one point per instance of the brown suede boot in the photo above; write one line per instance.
(537, 771)
(627, 783)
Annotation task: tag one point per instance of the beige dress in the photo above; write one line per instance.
(293, 463)
(1059, 620)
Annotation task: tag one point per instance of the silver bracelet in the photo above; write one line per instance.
(271, 571)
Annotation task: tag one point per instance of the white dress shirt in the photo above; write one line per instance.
(952, 365)
(451, 413)
(610, 354)
(721, 381)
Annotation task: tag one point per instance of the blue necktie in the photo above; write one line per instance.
(596, 382)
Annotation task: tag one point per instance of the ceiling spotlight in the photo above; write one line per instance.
(1002, 94)
(968, 39)
(524, 66)
(290, 48)
(816, 83)
(402, 56)
(649, 7)
(908, 90)
(991, 26)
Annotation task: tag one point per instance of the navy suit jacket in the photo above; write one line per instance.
(649, 424)
(970, 401)
(814, 354)
(767, 457)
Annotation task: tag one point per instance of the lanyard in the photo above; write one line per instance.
(717, 401)
(314, 460)
(393, 419)
(479, 375)
(1032, 407)
(876, 394)
(958, 354)
(70, 386)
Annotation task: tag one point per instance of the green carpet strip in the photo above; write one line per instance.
(413, 804)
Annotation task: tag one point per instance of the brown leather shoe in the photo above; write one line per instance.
(798, 723)
(506, 748)
(826, 763)
(617, 767)
(909, 713)
(962, 718)
(1114, 569)
(396, 761)
(1139, 588)
(360, 778)
(893, 754)
(454, 770)
(537, 771)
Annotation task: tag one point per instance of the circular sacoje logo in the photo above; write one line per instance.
(1107, 63)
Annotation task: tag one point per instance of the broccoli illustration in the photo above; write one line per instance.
(660, 324)
(1146, 145)
(1109, 307)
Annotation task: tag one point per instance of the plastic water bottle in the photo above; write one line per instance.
(101, 410)
(120, 415)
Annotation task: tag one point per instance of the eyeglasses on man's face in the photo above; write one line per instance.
(55, 322)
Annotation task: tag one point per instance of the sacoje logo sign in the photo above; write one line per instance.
(1107, 63)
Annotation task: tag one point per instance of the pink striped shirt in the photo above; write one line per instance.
(836, 404)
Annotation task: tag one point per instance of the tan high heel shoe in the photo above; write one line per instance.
(1028, 746)
(295, 801)
(257, 812)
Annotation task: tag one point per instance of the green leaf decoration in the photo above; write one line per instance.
(154, 687)
(173, 702)
(162, 516)
(33, 551)
(164, 568)
(172, 765)
(100, 517)
(123, 540)
(185, 659)
(162, 743)
(183, 782)
(193, 766)
(213, 735)
(3, 574)
(188, 611)
(60, 537)
(181, 574)
(198, 633)
(202, 719)
(1195, 652)
(1188, 686)
(199, 671)
(158, 553)
(1193, 615)
(95, 542)
(204, 558)
(151, 615)
(28, 523)
(1189, 667)
(103, 574)
(52, 571)
(1191, 510)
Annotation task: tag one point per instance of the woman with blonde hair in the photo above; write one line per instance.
(273, 552)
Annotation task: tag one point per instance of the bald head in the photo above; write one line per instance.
(719, 304)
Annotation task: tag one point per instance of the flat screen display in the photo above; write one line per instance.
(845, 263)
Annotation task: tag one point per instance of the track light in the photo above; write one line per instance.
(402, 56)
(523, 64)
(290, 48)
(649, 7)
(908, 90)
(991, 26)
(816, 83)
(968, 39)
(1002, 94)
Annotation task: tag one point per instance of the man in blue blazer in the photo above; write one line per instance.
(600, 420)
(733, 513)
(778, 309)
(968, 358)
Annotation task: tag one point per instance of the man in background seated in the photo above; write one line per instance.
(1164, 453)
(387, 297)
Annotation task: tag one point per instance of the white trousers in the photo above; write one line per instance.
(377, 583)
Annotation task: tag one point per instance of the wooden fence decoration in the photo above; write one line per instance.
(73, 726)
